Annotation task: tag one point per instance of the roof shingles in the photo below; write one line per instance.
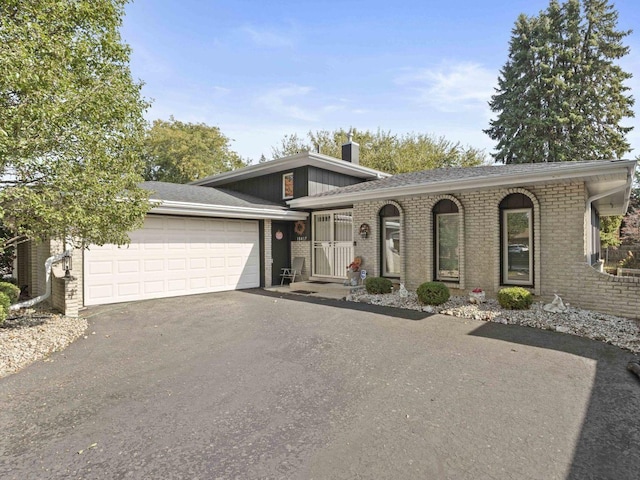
(175, 192)
(450, 174)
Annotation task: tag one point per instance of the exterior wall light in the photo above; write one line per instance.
(67, 265)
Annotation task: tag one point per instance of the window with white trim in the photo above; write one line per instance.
(517, 240)
(447, 252)
(287, 185)
(390, 254)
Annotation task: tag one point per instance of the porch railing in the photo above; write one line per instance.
(331, 259)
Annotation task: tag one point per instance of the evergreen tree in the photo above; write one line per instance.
(560, 95)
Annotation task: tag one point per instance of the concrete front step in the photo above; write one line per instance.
(321, 288)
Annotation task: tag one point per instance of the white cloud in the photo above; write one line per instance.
(285, 101)
(267, 38)
(217, 90)
(452, 87)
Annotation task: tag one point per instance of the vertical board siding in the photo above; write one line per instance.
(323, 180)
(306, 181)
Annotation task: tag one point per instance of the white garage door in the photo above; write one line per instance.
(173, 256)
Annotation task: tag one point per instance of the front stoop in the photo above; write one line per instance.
(331, 289)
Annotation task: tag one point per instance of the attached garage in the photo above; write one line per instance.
(172, 256)
(194, 240)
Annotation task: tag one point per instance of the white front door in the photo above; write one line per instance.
(332, 242)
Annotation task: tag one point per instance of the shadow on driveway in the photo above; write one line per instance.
(609, 443)
(330, 302)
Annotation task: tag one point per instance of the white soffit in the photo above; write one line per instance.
(167, 207)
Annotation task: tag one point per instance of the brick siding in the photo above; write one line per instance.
(559, 243)
(302, 248)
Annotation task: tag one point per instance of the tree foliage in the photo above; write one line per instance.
(7, 254)
(610, 231)
(560, 95)
(631, 227)
(71, 124)
(182, 152)
(385, 151)
(635, 191)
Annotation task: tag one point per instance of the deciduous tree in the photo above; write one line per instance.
(630, 232)
(386, 151)
(181, 152)
(71, 124)
(631, 227)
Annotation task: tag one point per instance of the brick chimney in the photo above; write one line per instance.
(351, 150)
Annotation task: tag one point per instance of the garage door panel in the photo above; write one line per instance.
(154, 265)
(198, 263)
(156, 223)
(198, 282)
(128, 289)
(174, 256)
(128, 266)
(234, 262)
(151, 246)
(216, 262)
(154, 286)
(177, 264)
(177, 285)
(100, 292)
(99, 268)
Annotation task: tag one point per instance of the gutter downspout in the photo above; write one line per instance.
(590, 201)
(48, 264)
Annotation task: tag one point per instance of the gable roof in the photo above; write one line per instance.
(293, 161)
(611, 178)
(180, 199)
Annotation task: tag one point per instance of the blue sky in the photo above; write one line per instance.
(261, 69)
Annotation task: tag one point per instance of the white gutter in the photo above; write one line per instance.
(47, 266)
(475, 183)
(168, 207)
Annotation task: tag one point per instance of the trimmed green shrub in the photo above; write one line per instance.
(433, 293)
(4, 307)
(515, 298)
(378, 285)
(10, 290)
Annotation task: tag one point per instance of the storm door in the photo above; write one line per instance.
(332, 242)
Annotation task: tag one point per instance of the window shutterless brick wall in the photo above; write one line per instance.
(67, 294)
(559, 262)
(302, 249)
(39, 254)
(602, 292)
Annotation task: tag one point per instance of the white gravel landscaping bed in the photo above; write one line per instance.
(29, 335)
(622, 332)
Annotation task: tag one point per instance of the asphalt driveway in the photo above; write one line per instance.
(245, 385)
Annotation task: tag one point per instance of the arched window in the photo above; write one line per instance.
(516, 239)
(446, 224)
(390, 241)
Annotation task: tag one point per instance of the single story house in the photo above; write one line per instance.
(531, 225)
